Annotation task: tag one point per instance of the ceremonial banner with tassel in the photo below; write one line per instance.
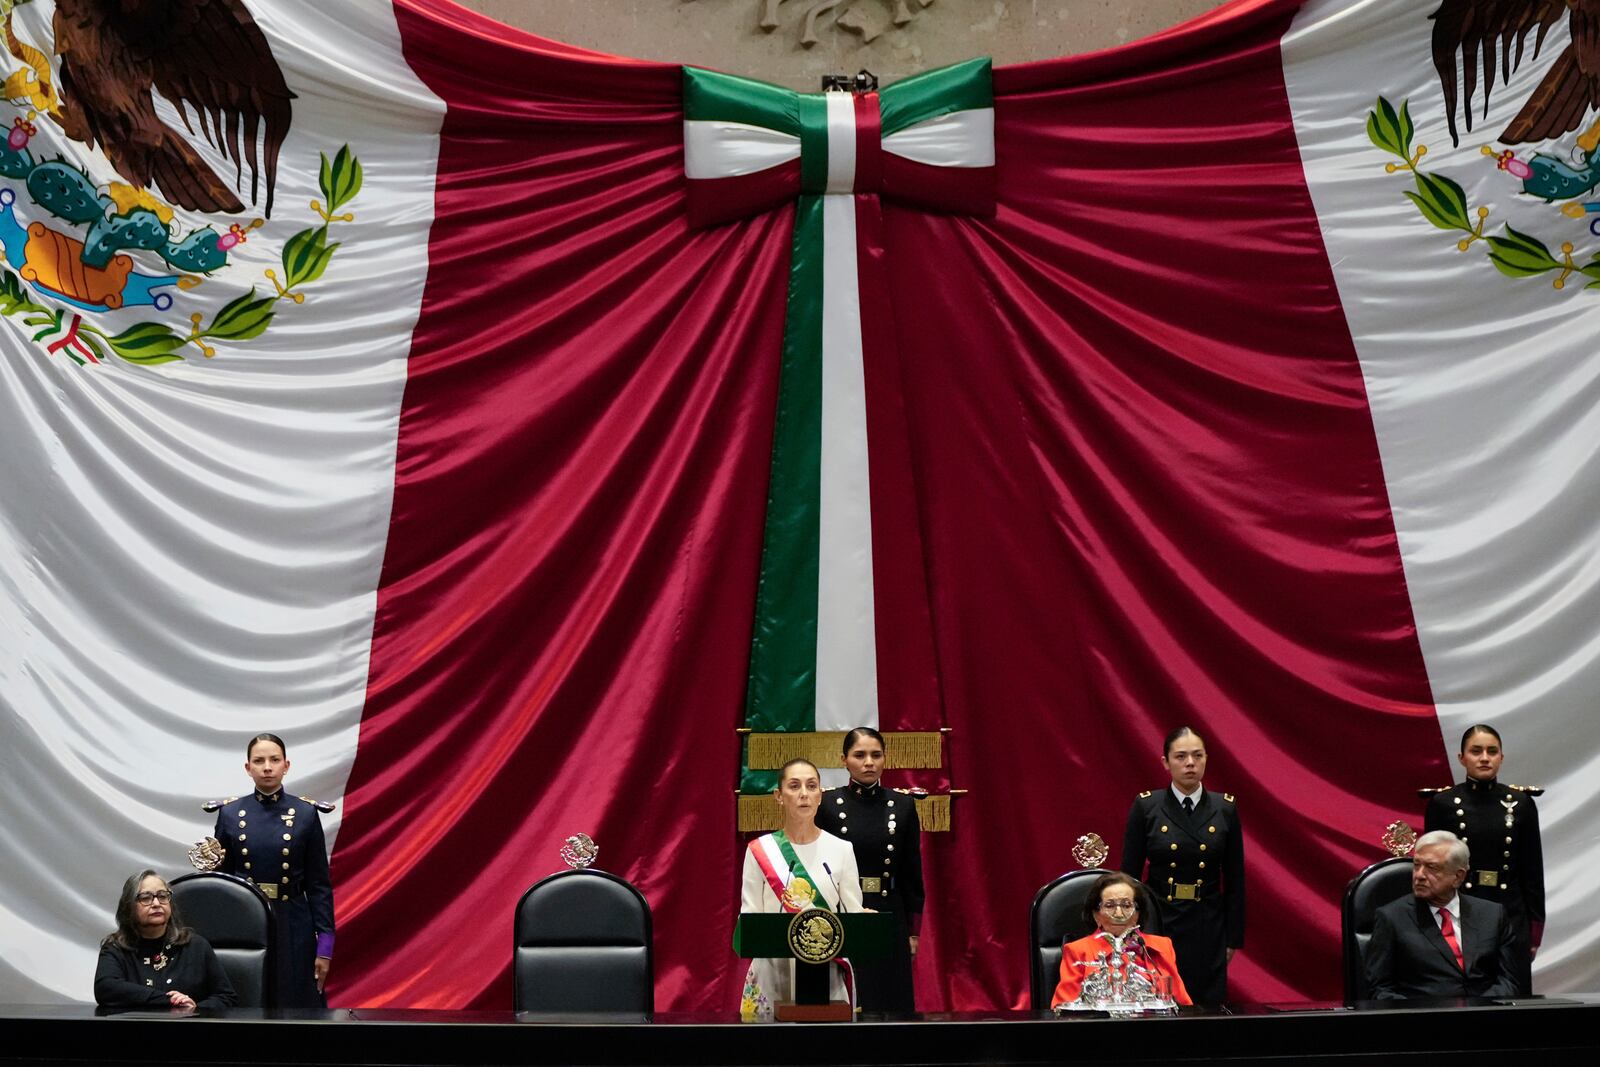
(843, 631)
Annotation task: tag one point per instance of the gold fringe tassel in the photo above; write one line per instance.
(933, 812)
(759, 813)
(908, 750)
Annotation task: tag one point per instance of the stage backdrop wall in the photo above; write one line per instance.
(454, 471)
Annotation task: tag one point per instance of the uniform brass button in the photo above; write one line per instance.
(291, 813)
(1462, 826)
(241, 824)
(1169, 882)
(244, 852)
(842, 814)
(285, 852)
(1174, 846)
(891, 828)
(286, 866)
(891, 803)
(1507, 855)
(1163, 829)
(1508, 840)
(247, 866)
(889, 847)
(1174, 863)
(888, 860)
(1460, 812)
(885, 892)
(839, 800)
(1202, 848)
(288, 837)
(1467, 886)
(241, 813)
(842, 830)
(1202, 865)
(1502, 885)
(286, 881)
(241, 837)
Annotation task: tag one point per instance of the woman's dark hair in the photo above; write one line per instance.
(1091, 903)
(858, 733)
(784, 770)
(126, 935)
(1481, 728)
(274, 738)
(1172, 739)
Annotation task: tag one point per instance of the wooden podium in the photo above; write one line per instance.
(867, 935)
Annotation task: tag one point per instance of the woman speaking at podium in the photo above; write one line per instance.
(790, 870)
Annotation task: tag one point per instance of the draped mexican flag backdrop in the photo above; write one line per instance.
(1236, 408)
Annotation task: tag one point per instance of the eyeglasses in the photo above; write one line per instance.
(1119, 905)
(163, 895)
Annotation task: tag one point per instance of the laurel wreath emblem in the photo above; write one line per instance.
(1442, 201)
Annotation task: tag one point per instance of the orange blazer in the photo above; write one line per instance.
(1078, 959)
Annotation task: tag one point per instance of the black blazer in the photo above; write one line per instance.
(122, 980)
(1408, 956)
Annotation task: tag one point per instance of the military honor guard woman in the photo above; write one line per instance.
(1500, 826)
(882, 828)
(275, 840)
(1187, 844)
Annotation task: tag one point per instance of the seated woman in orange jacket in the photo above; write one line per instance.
(1113, 905)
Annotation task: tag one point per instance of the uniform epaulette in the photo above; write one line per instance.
(321, 805)
(1228, 797)
(212, 805)
(1144, 794)
(1426, 793)
(1531, 790)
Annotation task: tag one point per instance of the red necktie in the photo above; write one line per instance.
(1448, 929)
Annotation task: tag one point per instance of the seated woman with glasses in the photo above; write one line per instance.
(152, 960)
(1113, 906)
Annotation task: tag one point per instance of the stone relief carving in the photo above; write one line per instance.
(867, 18)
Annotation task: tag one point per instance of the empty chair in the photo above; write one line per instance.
(583, 944)
(1368, 891)
(232, 914)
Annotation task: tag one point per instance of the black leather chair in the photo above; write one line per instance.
(236, 918)
(583, 944)
(1057, 917)
(1368, 891)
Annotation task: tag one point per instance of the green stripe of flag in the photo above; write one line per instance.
(961, 87)
(813, 145)
(709, 96)
(782, 695)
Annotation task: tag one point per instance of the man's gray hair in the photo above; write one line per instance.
(1457, 856)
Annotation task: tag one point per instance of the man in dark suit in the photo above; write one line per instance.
(1438, 942)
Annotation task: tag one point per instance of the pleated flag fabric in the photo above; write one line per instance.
(1208, 421)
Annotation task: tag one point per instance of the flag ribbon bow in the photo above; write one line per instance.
(842, 591)
(927, 141)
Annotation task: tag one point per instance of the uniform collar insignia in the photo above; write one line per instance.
(866, 790)
(269, 798)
